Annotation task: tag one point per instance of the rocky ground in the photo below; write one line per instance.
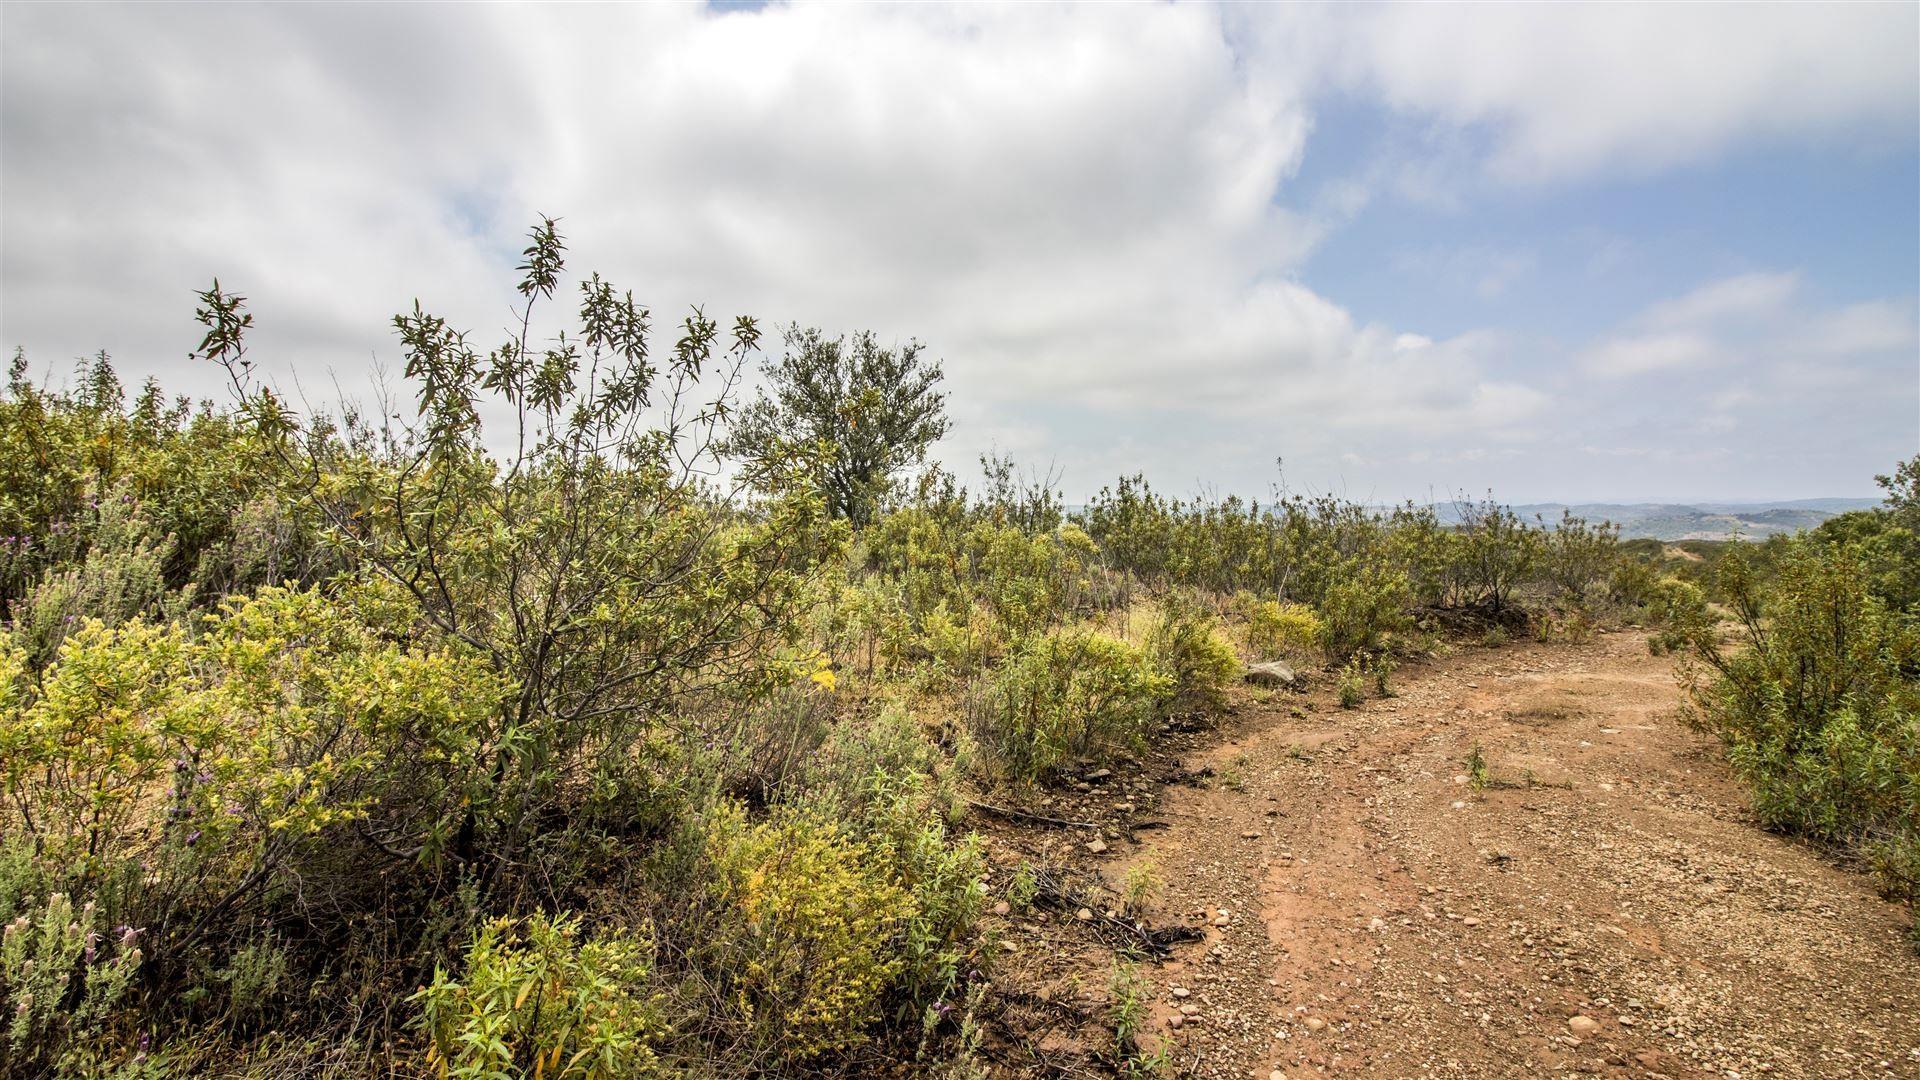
(1522, 864)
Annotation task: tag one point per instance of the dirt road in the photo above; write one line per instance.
(1600, 903)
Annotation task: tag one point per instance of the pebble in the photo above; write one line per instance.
(1180, 991)
(1002, 908)
(1097, 846)
(1583, 1026)
(1084, 914)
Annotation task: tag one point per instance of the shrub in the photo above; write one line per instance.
(534, 999)
(63, 975)
(1352, 685)
(1382, 672)
(804, 938)
(1575, 555)
(1632, 582)
(1363, 604)
(189, 783)
(877, 409)
(889, 785)
(1679, 609)
(1818, 707)
(1277, 629)
(1067, 696)
(1185, 645)
(1494, 554)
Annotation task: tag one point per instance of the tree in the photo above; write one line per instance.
(869, 411)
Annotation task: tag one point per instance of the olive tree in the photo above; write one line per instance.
(867, 413)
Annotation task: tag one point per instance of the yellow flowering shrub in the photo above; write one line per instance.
(1277, 629)
(806, 921)
(1186, 644)
(283, 717)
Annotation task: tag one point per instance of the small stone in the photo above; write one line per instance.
(1097, 846)
(1314, 1023)
(1222, 920)
(1008, 946)
(1250, 834)
(1276, 1075)
(1097, 775)
(1175, 1021)
(1084, 914)
(1469, 921)
(1180, 992)
(1460, 779)
(1459, 806)
(1189, 1010)
(1583, 1026)
(1002, 908)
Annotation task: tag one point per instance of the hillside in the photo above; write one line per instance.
(1699, 521)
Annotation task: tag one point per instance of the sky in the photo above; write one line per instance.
(1561, 252)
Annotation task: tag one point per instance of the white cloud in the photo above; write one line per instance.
(1073, 205)
(1647, 354)
(1758, 319)
(1744, 298)
(1756, 373)
(1081, 208)
(1576, 89)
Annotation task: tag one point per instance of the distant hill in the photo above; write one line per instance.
(1697, 521)
(1675, 521)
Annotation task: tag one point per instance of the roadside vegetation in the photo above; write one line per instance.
(1812, 679)
(584, 721)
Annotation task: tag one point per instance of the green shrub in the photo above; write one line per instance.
(1186, 646)
(888, 784)
(1818, 704)
(804, 939)
(63, 978)
(534, 999)
(1494, 555)
(1365, 602)
(1277, 629)
(1575, 555)
(1632, 583)
(1352, 684)
(1382, 672)
(1066, 696)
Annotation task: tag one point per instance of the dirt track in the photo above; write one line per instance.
(1387, 917)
